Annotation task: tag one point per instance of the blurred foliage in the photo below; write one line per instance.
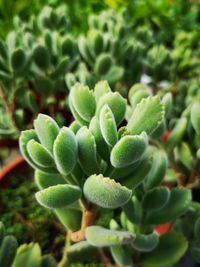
(24, 218)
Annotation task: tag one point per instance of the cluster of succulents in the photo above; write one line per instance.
(103, 163)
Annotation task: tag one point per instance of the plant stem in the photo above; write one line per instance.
(63, 261)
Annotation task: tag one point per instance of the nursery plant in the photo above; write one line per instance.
(104, 177)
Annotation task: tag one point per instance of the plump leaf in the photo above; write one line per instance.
(28, 255)
(65, 150)
(87, 151)
(103, 64)
(195, 116)
(128, 150)
(58, 196)
(39, 154)
(156, 198)
(18, 59)
(102, 147)
(116, 103)
(195, 251)
(8, 251)
(47, 130)
(158, 169)
(105, 192)
(83, 101)
(44, 180)
(146, 116)
(179, 202)
(170, 249)
(108, 126)
(102, 237)
(121, 255)
(81, 250)
(145, 243)
(2, 232)
(41, 56)
(70, 218)
(177, 133)
(133, 210)
(48, 261)
(100, 89)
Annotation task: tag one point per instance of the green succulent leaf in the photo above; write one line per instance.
(195, 116)
(58, 196)
(156, 198)
(87, 151)
(133, 210)
(101, 88)
(83, 101)
(178, 204)
(105, 192)
(116, 103)
(128, 150)
(158, 169)
(177, 133)
(48, 261)
(103, 64)
(174, 243)
(146, 116)
(102, 237)
(39, 154)
(69, 217)
(47, 130)
(102, 147)
(195, 251)
(28, 255)
(81, 250)
(121, 255)
(65, 150)
(44, 180)
(18, 59)
(145, 243)
(8, 251)
(41, 56)
(108, 126)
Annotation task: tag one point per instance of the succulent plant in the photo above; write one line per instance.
(101, 165)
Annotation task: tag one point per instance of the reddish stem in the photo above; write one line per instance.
(11, 166)
(162, 229)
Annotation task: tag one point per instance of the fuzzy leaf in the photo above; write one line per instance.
(146, 116)
(128, 150)
(145, 243)
(41, 56)
(133, 210)
(83, 101)
(70, 218)
(81, 250)
(158, 169)
(58, 196)
(28, 255)
(102, 147)
(116, 103)
(105, 192)
(156, 198)
(87, 151)
(44, 180)
(108, 126)
(195, 116)
(39, 154)
(8, 251)
(170, 249)
(103, 64)
(102, 237)
(65, 151)
(100, 89)
(177, 133)
(121, 255)
(18, 59)
(179, 202)
(47, 130)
